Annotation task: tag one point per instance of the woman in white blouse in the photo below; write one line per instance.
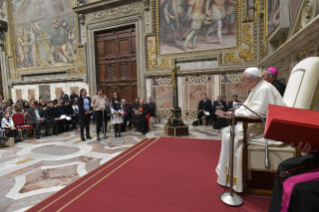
(7, 124)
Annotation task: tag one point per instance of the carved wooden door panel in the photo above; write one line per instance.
(116, 62)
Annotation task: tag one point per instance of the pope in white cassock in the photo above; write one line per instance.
(261, 95)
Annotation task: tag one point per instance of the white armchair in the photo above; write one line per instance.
(302, 91)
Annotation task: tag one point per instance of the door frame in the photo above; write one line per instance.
(135, 20)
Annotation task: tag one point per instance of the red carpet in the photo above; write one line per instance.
(165, 174)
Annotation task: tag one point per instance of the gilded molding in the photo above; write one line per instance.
(115, 13)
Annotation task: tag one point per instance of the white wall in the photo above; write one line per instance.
(65, 86)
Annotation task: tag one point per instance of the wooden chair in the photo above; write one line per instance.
(302, 92)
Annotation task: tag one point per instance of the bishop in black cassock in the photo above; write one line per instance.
(139, 119)
(304, 194)
(270, 75)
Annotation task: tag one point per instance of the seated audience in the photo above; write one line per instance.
(18, 109)
(204, 105)
(26, 106)
(73, 96)
(127, 112)
(218, 105)
(270, 75)
(152, 107)
(70, 112)
(36, 118)
(297, 182)
(75, 107)
(8, 109)
(55, 102)
(42, 103)
(139, 119)
(7, 124)
(49, 115)
(57, 116)
(64, 124)
(136, 103)
(232, 103)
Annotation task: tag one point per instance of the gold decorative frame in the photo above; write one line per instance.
(266, 35)
(155, 12)
(12, 49)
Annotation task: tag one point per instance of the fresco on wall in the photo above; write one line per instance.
(273, 15)
(45, 33)
(44, 92)
(2, 4)
(189, 26)
(293, 7)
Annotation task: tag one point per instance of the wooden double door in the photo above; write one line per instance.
(116, 62)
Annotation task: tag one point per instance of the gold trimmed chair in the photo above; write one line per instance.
(302, 92)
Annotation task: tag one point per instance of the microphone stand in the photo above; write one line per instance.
(230, 198)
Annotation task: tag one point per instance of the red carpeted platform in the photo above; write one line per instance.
(159, 174)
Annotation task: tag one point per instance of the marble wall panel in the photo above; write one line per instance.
(164, 97)
(31, 94)
(19, 94)
(75, 89)
(235, 88)
(57, 93)
(44, 92)
(195, 94)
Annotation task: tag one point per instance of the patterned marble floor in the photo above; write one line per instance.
(35, 169)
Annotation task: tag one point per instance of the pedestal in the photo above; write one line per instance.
(176, 131)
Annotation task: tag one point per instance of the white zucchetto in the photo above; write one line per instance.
(254, 71)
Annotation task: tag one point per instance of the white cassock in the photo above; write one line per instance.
(258, 100)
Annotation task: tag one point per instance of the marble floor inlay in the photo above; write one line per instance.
(35, 169)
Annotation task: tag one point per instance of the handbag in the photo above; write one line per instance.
(9, 143)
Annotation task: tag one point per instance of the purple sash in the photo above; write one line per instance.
(289, 184)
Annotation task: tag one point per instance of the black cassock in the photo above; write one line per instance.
(140, 121)
(305, 195)
(127, 116)
(279, 86)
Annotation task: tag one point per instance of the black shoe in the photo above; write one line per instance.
(47, 134)
(83, 138)
(55, 133)
(38, 136)
(88, 137)
(17, 139)
(98, 137)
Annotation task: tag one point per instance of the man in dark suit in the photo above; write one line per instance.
(270, 75)
(49, 115)
(152, 107)
(64, 96)
(73, 96)
(127, 114)
(36, 117)
(219, 105)
(136, 103)
(205, 105)
(232, 103)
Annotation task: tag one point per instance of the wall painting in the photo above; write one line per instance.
(190, 26)
(273, 15)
